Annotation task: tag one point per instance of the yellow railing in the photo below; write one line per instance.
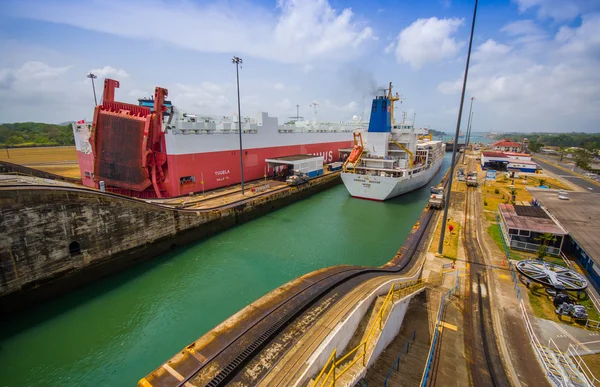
(410, 154)
(330, 373)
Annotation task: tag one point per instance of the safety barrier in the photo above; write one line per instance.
(396, 364)
(330, 373)
(436, 332)
(569, 372)
(573, 354)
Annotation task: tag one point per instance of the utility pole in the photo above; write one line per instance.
(460, 109)
(297, 112)
(468, 129)
(238, 61)
(92, 77)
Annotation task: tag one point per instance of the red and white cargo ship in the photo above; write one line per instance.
(137, 152)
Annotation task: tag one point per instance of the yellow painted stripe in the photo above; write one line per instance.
(504, 277)
(449, 326)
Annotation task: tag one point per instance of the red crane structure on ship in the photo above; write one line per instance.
(128, 144)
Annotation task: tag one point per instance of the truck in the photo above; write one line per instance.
(472, 179)
(460, 175)
(436, 200)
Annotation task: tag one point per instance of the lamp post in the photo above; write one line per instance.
(467, 135)
(238, 61)
(92, 77)
(470, 128)
(460, 109)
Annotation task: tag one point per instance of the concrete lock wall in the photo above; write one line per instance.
(339, 337)
(391, 329)
(54, 239)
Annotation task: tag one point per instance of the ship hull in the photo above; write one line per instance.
(195, 172)
(382, 188)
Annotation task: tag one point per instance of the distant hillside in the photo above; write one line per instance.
(436, 133)
(35, 134)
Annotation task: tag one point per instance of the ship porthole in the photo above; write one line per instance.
(74, 248)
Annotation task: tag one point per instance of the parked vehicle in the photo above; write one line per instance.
(297, 178)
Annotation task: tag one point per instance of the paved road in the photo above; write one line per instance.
(573, 178)
(563, 335)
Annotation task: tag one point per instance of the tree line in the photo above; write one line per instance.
(22, 134)
(589, 141)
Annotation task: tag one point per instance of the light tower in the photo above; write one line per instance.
(238, 61)
(92, 77)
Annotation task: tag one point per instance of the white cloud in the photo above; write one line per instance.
(108, 71)
(206, 98)
(37, 91)
(490, 50)
(298, 31)
(428, 40)
(521, 27)
(560, 89)
(40, 71)
(559, 10)
(583, 41)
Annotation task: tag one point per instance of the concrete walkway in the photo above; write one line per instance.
(563, 335)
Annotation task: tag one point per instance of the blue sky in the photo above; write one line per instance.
(534, 64)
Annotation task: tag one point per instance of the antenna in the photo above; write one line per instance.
(314, 105)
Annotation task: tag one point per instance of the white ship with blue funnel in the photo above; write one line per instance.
(389, 160)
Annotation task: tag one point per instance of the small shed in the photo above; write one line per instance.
(309, 164)
(522, 226)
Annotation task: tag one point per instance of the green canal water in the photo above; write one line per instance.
(114, 332)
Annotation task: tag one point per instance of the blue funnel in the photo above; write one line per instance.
(381, 115)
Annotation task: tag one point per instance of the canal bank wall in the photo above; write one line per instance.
(54, 239)
(204, 358)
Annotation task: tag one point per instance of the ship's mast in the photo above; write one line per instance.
(392, 98)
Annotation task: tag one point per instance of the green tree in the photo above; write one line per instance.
(535, 146)
(513, 194)
(583, 158)
(542, 182)
(562, 153)
(545, 240)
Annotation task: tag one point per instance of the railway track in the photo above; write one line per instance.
(228, 359)
(293, 307)
(234, 355)
(484, 360)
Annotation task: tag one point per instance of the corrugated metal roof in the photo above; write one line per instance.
(580, 216)
(525, 222)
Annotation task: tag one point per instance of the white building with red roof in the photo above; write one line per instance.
(506, 145)
(509, 161)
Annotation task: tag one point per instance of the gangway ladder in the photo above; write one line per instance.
(356, 153)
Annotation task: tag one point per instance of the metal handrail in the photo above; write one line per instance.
(546, 362)
(397, 362)
(449, 293)
(594, 300)
(570, 371)
(404, 288)
(585, 370)
(564, 257)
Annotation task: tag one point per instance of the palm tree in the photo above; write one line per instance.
(542, 182)
(545, 240)
(513, 194)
